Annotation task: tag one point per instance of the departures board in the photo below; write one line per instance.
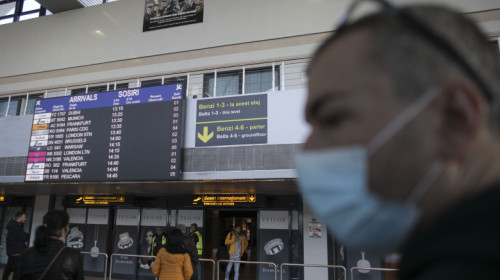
(125, 135)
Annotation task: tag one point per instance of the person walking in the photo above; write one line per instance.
(198, 240)
(173, 261)
(16, 241)
(238, 243)
(191, 250)
(50, 259)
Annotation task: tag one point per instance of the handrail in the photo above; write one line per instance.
(213, 266)
(312, 265)
(370, 268)
(249, 262)
(125, 255)
(105, 263)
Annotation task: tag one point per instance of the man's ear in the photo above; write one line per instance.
(463, 115)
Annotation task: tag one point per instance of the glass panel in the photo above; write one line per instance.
(30, 5)
(227, 84)
(7, 9)
(97, 89)
(151, 83)
(260, 80)
(78, 91)
(31, 103)
(6, 20)
(121, 86)
(3, 107)
(29, 16)
(15, 107)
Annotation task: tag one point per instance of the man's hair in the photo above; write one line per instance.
(19, 214)
(415, 63)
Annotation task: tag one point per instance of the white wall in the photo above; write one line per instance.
(315, 249)
(69, 39)
(41, 207)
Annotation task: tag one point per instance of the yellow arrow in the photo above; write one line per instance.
(205, 136)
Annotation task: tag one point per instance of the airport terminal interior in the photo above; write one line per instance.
(137, 114)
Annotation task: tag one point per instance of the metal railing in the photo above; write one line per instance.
(102, 254)
(370, 268)
(249, 262)
(125, 255)
(213, 265)
(312, 265)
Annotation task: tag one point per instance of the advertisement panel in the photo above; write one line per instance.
(97, 241)
(150, 219)
(274, 242)
(126, 242)
(160, 14)
(76, 236)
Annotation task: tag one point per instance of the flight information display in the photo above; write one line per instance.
(125, 135)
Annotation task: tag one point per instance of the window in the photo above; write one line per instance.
(18, 10)
(30, 109)
(231, 82)
(151, 83)
(16, 103)
(30, 5)
(261, 79)
(4, 104)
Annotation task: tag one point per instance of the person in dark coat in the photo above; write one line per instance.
(191, 250)
(16, 241)
(50, 248)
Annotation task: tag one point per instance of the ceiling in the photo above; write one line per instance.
(271, 187)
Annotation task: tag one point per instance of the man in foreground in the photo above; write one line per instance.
(404, 151)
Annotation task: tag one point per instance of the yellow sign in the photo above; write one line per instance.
(99, 200)
(205, 137)
(40, 126)
(2, 198)
(224, 199)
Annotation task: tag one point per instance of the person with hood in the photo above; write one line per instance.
(173, 261)
(16, 242)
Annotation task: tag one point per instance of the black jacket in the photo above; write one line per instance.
(463, 244)
(193, 253)
(16, 238)
(68, 265)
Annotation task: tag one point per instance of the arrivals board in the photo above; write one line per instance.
(125, 135)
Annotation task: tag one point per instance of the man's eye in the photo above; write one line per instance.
(332, 120)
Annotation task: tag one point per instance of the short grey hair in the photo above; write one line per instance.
(415, 63)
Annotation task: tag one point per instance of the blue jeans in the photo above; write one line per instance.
(236, 267)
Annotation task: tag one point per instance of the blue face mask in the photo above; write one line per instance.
(334, 183)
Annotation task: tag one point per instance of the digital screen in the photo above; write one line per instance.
(125, 135)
